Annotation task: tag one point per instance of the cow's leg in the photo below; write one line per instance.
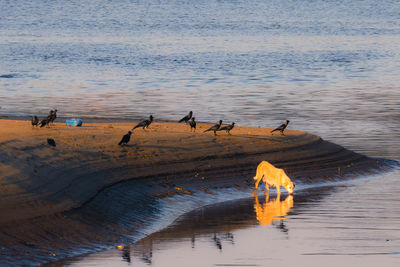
(258, 180)
(266, 189)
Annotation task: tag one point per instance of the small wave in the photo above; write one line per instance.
(9, 76)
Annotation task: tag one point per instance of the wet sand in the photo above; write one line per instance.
(60, 198)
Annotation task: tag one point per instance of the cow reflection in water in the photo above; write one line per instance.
(272, 209)
(216, 226)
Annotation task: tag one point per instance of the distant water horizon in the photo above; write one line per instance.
(331, 67)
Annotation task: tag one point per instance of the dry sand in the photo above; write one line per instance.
(37, 179)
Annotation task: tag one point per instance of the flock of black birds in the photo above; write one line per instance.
(46, 121)
(188, 119)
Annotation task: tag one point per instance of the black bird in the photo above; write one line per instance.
(52, 116)
(145, 123)
(125, 139)
(187, 117)
(51, 142)
(227, 128)
(35, 121)
(282, 127)
(192, 124)
(44, 122)
(214, 128)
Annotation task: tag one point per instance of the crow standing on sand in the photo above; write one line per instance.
(281, 128)
(214, 128)
(125, 139)
(187, 117)
(192, 124)
(44, 122)
(52, 115)
(145, 123)
(51, 142)
(227, 128)
(35, 121)
(49, 119)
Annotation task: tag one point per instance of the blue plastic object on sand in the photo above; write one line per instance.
(73, 122)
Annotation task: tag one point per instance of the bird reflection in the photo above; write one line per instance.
(147, 258)
(193, 241)
(273, 209)
(126, 254)
(144, 250)
(283, 227)
(229, 237)
(218, 238)
(217, 242)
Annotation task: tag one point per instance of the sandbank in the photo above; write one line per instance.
(37, 179)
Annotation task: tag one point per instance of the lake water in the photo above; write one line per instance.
(331, 67)
(356, 223)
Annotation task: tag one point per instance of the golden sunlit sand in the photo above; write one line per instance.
(37, 179)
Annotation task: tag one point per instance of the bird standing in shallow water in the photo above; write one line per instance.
(145, 123)
(192, 124)
(227, 128)
(35, 121)
(51, 142)
(282, 127)
(125, 139)
(214, 128)
(187, 117)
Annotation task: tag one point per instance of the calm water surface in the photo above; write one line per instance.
(356, 223)
(331, 67)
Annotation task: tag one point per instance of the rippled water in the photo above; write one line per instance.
(331, 67)
(355, 223)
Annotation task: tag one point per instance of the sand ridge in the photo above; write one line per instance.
(37, 179)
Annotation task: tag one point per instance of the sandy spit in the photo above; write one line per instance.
(37, 179)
